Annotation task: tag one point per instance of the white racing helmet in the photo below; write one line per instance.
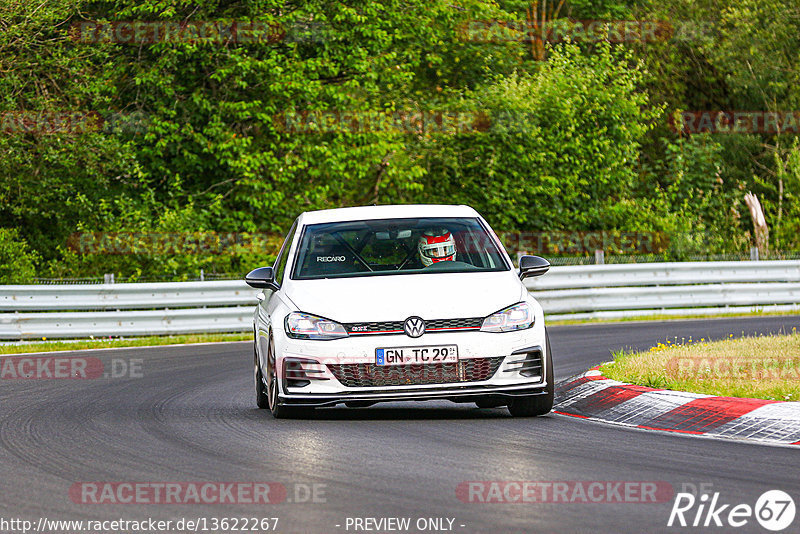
(436, 245)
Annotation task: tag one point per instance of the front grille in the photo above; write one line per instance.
(358, 375)
(383, 327)
(444, 324)
(396, 327)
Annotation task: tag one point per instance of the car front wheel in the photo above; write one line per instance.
(261, 392)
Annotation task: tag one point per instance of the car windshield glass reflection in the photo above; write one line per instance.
(396, 246)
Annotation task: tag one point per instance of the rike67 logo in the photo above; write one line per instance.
(774, 510)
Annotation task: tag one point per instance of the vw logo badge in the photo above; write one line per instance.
(414, 326)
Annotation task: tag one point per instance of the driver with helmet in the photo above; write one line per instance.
(436, 245)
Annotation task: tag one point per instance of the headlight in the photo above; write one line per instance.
(516, 317)
(305, 326)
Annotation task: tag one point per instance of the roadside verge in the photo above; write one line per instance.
(591, 395)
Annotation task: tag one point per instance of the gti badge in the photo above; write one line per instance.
(414, 326)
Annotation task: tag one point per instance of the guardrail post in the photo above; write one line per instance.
(108, 278)
(599, 257)
(754, 253)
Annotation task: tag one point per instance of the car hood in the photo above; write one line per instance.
(396, 297)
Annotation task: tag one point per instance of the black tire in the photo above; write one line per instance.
(490, 403)
(261, 393)
(537, 404)
(276, 407)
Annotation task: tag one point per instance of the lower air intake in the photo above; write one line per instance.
(361, 375)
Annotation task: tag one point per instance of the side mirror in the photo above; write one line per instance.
(261, 278)
(532, 266)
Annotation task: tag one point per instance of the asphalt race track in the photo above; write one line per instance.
(190, 416)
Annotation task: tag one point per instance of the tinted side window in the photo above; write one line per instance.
(283, 255)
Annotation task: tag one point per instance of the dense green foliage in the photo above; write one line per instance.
(200, 136)
(17, 262)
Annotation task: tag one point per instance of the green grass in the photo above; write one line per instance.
(762, 367)
(115, 343)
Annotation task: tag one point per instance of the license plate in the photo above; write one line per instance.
(416, 355)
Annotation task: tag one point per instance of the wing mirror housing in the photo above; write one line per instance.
(262, 278)
(532, 266)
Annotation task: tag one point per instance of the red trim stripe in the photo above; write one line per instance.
(455, 328)
(375, 332)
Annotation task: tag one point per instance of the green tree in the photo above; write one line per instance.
(562, 150)
(17, 261)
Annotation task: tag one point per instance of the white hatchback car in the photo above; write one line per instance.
(398, 303)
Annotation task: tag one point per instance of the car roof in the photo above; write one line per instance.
(363, 213)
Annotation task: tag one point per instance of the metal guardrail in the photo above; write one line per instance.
(689, 288)
(126, 323)
(575, 292)
(126, 296)
(656, 274)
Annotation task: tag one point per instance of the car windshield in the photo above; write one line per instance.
(396, 246)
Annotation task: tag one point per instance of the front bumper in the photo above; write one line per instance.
(465, 393)
(506, 382)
